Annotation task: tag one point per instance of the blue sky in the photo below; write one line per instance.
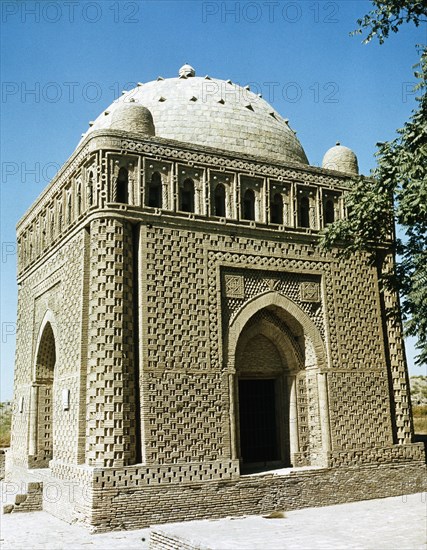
(62, 63)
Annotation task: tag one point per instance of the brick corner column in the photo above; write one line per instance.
(110, 432)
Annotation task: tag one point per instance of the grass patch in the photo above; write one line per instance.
(420, 419)
(5, 422)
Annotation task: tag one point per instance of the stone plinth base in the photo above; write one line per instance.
(125, 498)
(132, 508)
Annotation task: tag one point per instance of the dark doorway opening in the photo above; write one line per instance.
(258, 422)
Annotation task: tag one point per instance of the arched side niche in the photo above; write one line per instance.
(48, 319)
(41, 418)
(291, 354)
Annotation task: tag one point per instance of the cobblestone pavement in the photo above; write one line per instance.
(390, 523)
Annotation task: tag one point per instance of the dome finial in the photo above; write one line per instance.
(187, 70)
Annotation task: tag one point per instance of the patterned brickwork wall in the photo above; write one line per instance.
(177, 324)
(67, 307)
(185, 406)
(259, 356)
(110, 383)
(166, 475)
(186, 417)
(359, 400)
(359, 409)
(267, 265)
(303, 422)
(42, 392)
(56, 287)
(357, 315)
(181, 331)
(264, 267)
(45, 418)
(22, 378)
(354, 334)
(378, 455)
(84, 351)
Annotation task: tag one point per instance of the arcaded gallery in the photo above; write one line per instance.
(185, 348)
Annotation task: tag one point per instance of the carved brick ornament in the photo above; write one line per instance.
(310, 291)
(234, 286)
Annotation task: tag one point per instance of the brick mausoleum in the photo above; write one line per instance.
(180, 331)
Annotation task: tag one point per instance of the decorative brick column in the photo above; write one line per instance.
(32, 431)
(322, 385)
(293, 417)
(398, 372)
(111, 440)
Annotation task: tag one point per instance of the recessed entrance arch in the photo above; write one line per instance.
(274, 352)
(42, 401)
(266, 360)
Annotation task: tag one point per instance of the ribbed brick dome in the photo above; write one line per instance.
(211, 112)
(341, 159)
(132, 117)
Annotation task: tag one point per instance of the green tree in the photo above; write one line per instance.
(397, 190)
(388, 15)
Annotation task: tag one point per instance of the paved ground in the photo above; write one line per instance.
(398, 522)
(391, 523)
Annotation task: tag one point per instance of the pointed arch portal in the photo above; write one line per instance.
(41, 400)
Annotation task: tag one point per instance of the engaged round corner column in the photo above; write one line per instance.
(110, 383)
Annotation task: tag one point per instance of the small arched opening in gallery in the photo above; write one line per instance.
(329, 211)
(248, 206)
(186, 196)
(219, 200)
(154, 198)
(276, 209)
(304, 212)
(122, 192)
